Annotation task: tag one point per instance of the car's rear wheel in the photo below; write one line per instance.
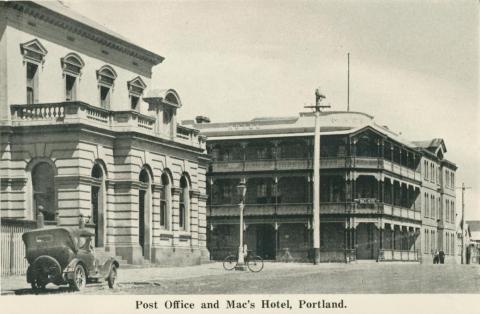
(79, 279)
(112, 277)
(38, 284)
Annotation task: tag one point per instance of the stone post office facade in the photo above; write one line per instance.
(83, 133)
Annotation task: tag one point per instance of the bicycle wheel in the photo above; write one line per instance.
(229, 262)
(255, 263)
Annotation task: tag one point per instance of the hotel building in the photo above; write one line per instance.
(382, 196)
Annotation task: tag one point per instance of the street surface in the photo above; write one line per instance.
(281, 278)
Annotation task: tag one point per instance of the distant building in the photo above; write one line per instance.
(83, 133)
(473, 250)
(382, 197)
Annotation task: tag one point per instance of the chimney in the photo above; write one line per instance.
(202, 119)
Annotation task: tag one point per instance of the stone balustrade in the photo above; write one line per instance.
(77, 112)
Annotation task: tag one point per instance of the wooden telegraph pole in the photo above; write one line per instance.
(463, 257)
(316, 177)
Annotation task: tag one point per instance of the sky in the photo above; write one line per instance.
(413, 64)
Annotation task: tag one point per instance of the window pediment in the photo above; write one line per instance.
(136, 86)
(72, 63)
(106, 75)
(34, 51)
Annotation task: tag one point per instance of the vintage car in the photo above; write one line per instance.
(66, 256)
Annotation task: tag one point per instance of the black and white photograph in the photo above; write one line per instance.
(252, 156)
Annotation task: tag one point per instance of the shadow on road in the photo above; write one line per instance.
(43, 291)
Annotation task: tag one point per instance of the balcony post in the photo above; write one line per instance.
(244, 155)
(393, 236)
(381, 237)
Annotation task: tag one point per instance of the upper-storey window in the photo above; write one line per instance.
(72, 66)
(425, 169)
(447, 175)
(32, 83)
(106, 77)
(452, 178)
(135, 91)
(33, 54)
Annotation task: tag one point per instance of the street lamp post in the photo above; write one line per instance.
(242, 189)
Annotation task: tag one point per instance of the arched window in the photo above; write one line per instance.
(184, 204)
(72, 66)
(98, 199)
(144, 212)
(165, 201)
(106, 77)
(44, 190)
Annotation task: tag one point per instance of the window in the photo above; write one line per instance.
(44, 190)
(104, 97)
(453, 180)
(70, 88)
(427, 209)
(432, 206)
(227, 192)
(32, 83)
(135, 91)
(134, 100)
(184, 204)
(33, 54)
(72, 66)
(452, 215)
(163, 208)
(165, 196)
(425, 167)
(106, 77)
(263, 153)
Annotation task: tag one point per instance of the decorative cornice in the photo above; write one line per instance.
(79, 28)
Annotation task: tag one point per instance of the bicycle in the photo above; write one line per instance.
(253, 262)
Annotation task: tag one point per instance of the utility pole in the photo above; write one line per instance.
(348, 81)
(316, 177)
(463, 257)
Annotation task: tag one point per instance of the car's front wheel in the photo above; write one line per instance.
(112, 277)
(79, 279)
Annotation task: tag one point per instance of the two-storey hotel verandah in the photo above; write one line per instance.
(382, 197)
(84, 134)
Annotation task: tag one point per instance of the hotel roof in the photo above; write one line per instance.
(332, 123)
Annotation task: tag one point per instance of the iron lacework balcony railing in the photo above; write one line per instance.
(340, 162)
(77, 112)
(285, 209)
